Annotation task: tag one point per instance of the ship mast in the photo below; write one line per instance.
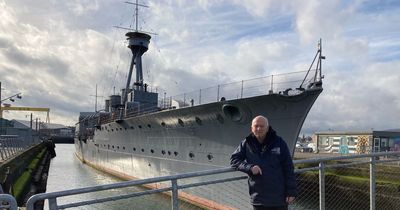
(138, 43)
(318, 70)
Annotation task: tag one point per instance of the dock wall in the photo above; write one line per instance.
(25, 174)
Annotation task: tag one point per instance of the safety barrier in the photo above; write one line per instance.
(367, 181)
(10, 145)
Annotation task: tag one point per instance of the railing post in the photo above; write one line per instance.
(200, 97)
(1, 154)
(53, 204)
(372, 184)
(184, 99)
(20, 145)
(322, 186)
(175, 201)
(241, 91)
(2, 149)
(218, 94)
(14, 145)
(7, 147)
(272, 85)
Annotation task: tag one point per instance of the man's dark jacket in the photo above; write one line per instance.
(273, 157)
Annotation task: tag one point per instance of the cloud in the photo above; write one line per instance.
(55, 52)
(80, 7)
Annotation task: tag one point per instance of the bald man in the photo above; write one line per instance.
(265, 157)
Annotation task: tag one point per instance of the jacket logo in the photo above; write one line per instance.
(276, 150)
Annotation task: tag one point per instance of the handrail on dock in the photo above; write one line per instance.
(372, 160)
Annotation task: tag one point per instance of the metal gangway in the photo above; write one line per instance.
(344, 182)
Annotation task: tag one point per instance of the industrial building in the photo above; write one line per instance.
(357, 142)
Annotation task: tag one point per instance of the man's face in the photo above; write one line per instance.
(259, 128)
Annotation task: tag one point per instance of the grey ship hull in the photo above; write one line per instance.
(192, 139)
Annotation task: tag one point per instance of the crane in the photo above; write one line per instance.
(21, 108)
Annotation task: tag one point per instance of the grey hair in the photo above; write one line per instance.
(262, 117)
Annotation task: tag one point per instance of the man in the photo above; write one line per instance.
(265, 157)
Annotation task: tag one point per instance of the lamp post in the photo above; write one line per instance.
(11, 98)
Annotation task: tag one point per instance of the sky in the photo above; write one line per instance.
(55, 52)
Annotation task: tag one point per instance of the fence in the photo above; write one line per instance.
(346, 182)
(10, 145)
(368, 181)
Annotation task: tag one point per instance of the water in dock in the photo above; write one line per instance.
(67, 172)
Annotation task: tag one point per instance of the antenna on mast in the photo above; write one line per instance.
(136, 19)
(136, 12)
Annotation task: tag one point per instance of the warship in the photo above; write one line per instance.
(141, 135)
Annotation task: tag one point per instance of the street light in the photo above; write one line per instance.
(11, 98)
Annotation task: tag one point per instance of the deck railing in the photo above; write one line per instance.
(286, 84)
(367, 181)
(282, 84)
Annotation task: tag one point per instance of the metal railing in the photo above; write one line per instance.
(10, 145)
(8, 202)
(285, 84)
(367, 181)
(52, 197)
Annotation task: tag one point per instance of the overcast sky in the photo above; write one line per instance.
(55, 52)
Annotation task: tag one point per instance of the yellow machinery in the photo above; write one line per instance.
(11, 108)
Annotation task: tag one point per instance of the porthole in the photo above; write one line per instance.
(169, 152)
(142, 150)
(163, 124)
(176, 153)
(132, 127)
(117, 147)
(134, 149)
(163, 152)
(152, 150)
(148, 125)
(123, 148)
(113, 146)
(210, 156)
(126, 128)
(181, 122)
(198, 121)
(191, 155)
(140, 126)
(112, 129)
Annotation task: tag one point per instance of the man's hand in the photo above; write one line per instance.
(256, 170)
(289, 200)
